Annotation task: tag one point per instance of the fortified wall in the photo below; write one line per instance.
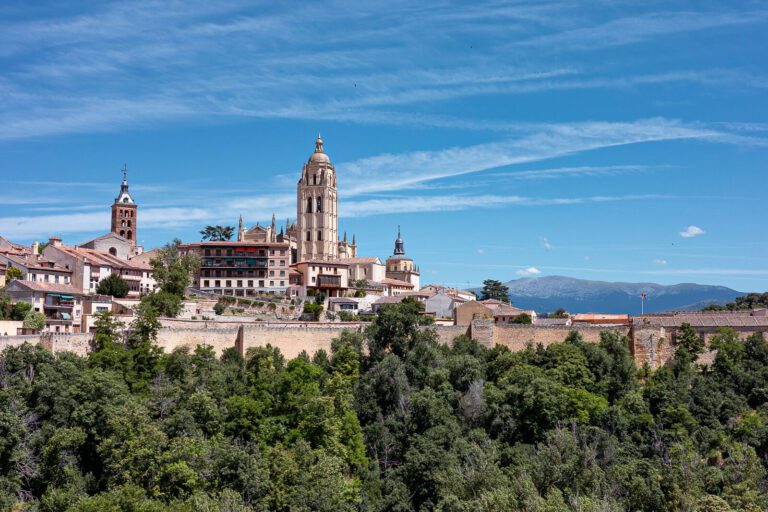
(652, 340)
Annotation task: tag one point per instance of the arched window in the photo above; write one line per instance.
(113, 251)
(319, 205)
(309, 205)
(122, 224)
(122, 233)
(314, 179)
(129, 223)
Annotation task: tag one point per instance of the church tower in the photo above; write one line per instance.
(401, 267)
(124, 212)
(317, 208)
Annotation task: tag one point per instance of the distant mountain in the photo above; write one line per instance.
(546, 294)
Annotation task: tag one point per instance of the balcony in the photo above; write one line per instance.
(328, 281)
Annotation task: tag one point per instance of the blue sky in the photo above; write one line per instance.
(603, 140)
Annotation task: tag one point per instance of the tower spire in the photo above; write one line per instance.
(399, 244)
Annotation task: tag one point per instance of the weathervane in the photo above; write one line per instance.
(125, 172)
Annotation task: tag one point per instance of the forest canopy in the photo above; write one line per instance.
(388, 420)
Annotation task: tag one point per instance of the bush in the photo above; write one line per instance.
(35, 321)
(219, 308)
(164, 303)
(523, 318)
(347, 316)
(313, 310)
(113, 285)
(359, 293)
(272, 306)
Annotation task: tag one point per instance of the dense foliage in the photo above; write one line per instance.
(217, 233)
(13, 311)
(743, 303)
(172, 269)
(388, 420)
(113, 285)
(493, 289)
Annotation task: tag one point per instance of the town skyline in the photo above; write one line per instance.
(561, 161)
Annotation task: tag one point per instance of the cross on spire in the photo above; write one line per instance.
(124, 170)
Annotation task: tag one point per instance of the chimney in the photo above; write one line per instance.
(54, 242)
(35, 247)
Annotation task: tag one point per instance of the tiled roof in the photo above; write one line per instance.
(102, 258)
(368, 259)
(396, 282)
(338, 263)
(44, 287)
(593, 317)
(397, 299)
(702, 320)
(344, 300)
(546, 322)
(36, 261)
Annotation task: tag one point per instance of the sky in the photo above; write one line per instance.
(606, 140)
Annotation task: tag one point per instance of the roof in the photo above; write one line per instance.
(395, 282)
(397, 299)
(600, 318)
(368, 259)
(35, 261)
(420, 294)
(44, 287)
(235, 243)
(552, 322)
(500, 308)
(702, 320)
(102, 258)
(4, 242)
(344, 300)
(338, 263)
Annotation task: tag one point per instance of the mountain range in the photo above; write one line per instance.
(546, 294)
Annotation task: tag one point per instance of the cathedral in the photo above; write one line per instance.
(304, 254)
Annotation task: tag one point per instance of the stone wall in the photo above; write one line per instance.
(517, 337)
(446, 333)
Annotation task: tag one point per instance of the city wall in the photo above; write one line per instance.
(652, 345)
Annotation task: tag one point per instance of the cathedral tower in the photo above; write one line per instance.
(317, 208)
(124, 212)
(401, 267)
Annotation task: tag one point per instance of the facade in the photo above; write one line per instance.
(242, 268)
(124, 211)
(329, 277)
(60, 303)
(317, 215)
(35, 267)
(466, 295)
(113, 244)
(442, 305)
(502, 313)
(401, 267)
(89, 267)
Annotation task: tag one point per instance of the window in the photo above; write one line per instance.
(45, 278)
(309, 205)
(282, 273)
(309, 236)
(239, 284)
(271, 273)
(314, 179)
(282, 252)
(319, 235)
(271, 283)
(271, 252)
(282, 283)
(271, 263)
(206, 283)
(113, 251)
(56, 279)
(250, 283)
(313, 279)
(229, 283)
(319, 204)
(282, 263)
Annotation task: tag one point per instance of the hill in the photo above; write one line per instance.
(582, 296)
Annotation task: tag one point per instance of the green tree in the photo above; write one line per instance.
(13, 273)
(34, 320)
(493, 289)
(217, 233)
(173, 268)
(113, 285)
(522, 318)
(559, 313)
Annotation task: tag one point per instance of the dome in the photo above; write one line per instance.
(319, 155)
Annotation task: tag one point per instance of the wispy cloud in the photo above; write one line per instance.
(659, 261)
(530, 271)
(545, 243)
(691, 231)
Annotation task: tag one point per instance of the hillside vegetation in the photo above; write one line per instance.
(404, 425)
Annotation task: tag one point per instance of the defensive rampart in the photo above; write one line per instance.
(649, 344)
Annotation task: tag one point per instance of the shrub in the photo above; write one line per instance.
(34, 320)
(113, 285)
(219, 308)
(313, 310)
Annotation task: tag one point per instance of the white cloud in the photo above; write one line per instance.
(691, 231)
(659, 261)
(530, 271)
(545, 243)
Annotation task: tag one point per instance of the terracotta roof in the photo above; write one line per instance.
(367, 259)
(338, 263)
(546, 322)
(397, 299)
(702, 320)
(395, 282)
(419, 294)
(102, 258)
(44, 287)
(591, 317)
(35, 262)
(234, 243)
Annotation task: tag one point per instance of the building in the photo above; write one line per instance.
(599, 319)
(60, 303)
(242, 268)
(401, 267)
(442, 305)
(369, 269)
(502, 313)
(124, 210)
(466, 295)
(35, 267)
(90, 266)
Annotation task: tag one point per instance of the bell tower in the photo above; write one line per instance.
(317, 208)
(124, 212)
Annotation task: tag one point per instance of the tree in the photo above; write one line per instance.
(13, 273)
(173, 269)
(217, 233)
(522, 318)
(113, 285)
(493, 289)
(559, 313)
(35, 321)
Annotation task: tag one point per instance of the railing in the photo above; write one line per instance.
(327, 281)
